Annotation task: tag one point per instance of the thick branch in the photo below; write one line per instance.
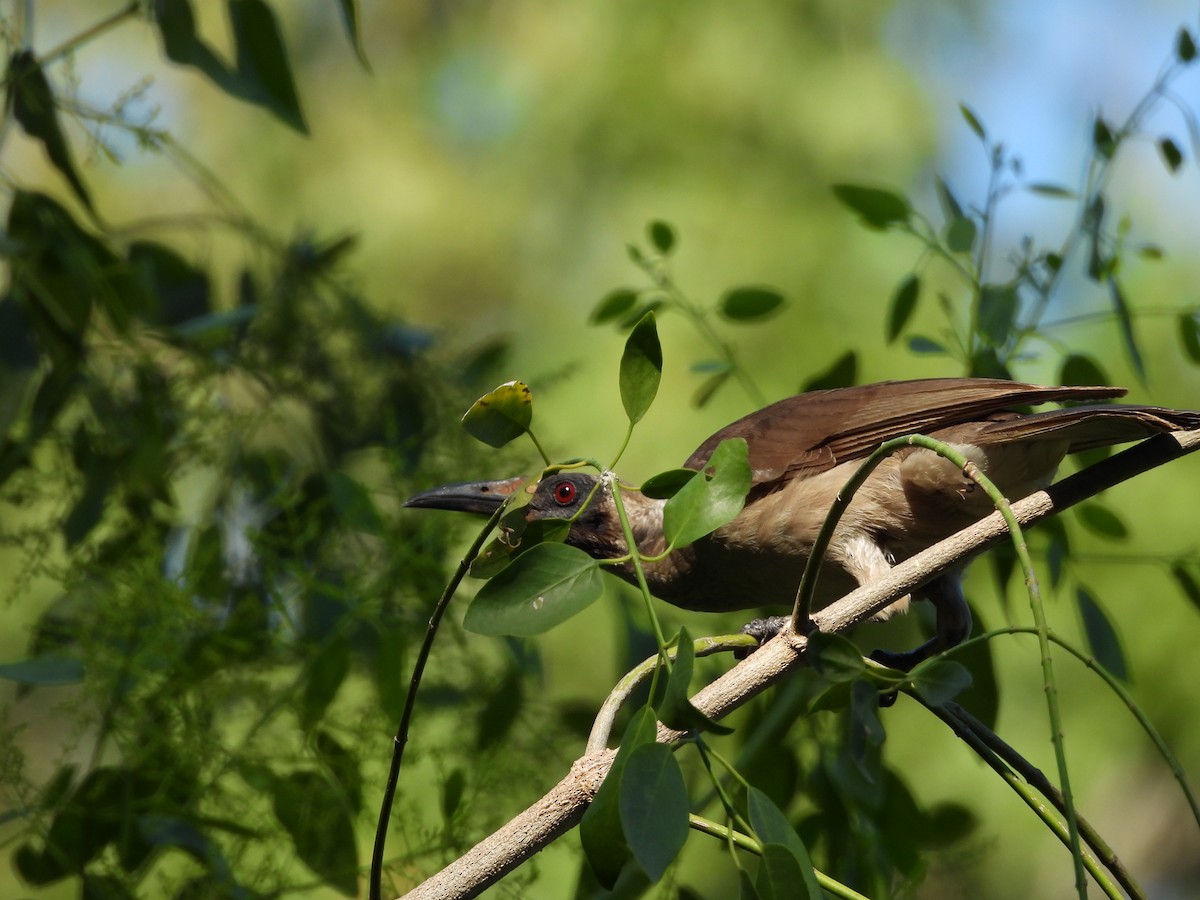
(561, 808)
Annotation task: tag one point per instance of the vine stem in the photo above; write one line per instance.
(400, 741)
(804, 597)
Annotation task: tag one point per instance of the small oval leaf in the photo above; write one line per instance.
(500, 415)
(904, 304)
(641, 368)
(1171, 154)
(662, 236)
(960, 235)
(614, 305)
(972, 121)
(747, 303)
(1052, 190)
(939, 681)
(918, 343)
(542, 587)
(666, 485)
(877, 208)
(1102, 521)
(1082, 370)
(1101, 635)
(676, 709)
(833, 657)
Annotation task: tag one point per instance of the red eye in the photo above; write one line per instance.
(564, 492)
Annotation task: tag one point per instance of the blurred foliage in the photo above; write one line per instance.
(205, 426)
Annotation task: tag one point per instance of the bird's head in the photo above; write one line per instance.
(561, 495)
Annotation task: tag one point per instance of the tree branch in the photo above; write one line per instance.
(563, 806)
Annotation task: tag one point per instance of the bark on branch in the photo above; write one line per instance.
(563, 806)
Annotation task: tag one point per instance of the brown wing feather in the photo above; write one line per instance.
(815, 431)
(1087, 427)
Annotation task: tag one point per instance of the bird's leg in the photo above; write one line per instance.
(953, 623)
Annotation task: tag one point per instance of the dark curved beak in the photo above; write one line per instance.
(479, 497)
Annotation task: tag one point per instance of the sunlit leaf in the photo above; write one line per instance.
(1102, 637)
(654, 807)
(877, 208)
(746, 304)
(500, 415)
(706, 503)
(904, 304)
(641, 368)
(542, 587)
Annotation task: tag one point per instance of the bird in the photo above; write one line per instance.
(801, 451)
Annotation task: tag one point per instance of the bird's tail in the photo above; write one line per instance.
(1087, 427)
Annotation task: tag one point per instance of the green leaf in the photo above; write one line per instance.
(998, 306)
(600, 830)
(543, 587)
(1189, 334)
(500, 415)
(667, 484)
(951, 208)
(1187, 583)
(327, 669)
(89, 508)
(31, 100)
(1103, 139)
(354, 504)
(676, 709)
(972, 121)
(939, 681)
(176, 292)
(351, 20)
(706, 503)
(181, 44)
(263, 69)
(614, 305)
(44, 670)
(662, 236)
(960, 235)
(1100, 520)
(314, 814)
(641, 368)
(877, 208)
(842, 372)
(452, 793)
(918, 343)
(834, 658)
(745, 304)
(654, 807)
(1052, 190)
(1082, 370)
(773, 829)
(1171, 154)
(904, 304)
(1102, 637)
(705, 392)
(1185, 46)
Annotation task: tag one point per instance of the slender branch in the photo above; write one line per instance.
(561, 809)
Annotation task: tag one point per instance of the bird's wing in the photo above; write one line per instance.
(813, 432)
(1086, 427)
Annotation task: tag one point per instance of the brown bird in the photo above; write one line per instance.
(802, 450)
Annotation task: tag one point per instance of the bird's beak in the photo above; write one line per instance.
(480, 497)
